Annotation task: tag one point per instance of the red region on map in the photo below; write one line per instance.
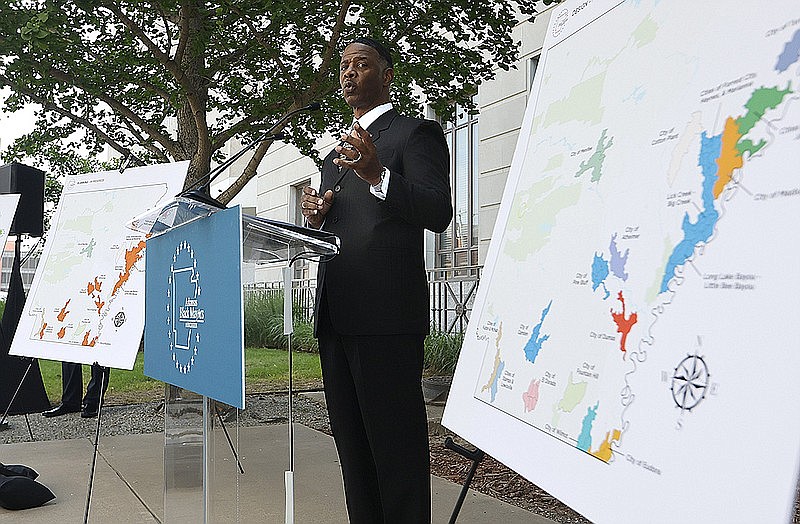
(624, 324)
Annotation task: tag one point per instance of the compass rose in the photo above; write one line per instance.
(690, 382)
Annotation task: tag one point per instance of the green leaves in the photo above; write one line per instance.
(172, 80)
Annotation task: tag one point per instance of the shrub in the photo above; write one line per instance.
(441, 352)
(263, 324)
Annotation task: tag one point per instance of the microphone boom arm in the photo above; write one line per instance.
(206, 181)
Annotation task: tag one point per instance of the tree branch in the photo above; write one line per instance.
(218, 140)
(120, 108)
(259, 38)
(167, 29)
(147, 144)
(50, 106)
(162, 57)
(312, 92)
(250, 170)
(330, 49)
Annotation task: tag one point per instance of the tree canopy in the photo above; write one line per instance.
(168, 80)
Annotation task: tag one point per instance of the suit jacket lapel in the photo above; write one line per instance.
(376, 128)
(381, 124)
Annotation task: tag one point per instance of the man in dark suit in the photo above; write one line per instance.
(72, 388)
(381, 188)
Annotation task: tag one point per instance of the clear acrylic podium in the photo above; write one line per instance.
(202, 466)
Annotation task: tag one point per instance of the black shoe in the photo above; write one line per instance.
(60, 410)
(88, 412)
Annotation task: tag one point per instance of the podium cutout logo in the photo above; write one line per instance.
(185, 316)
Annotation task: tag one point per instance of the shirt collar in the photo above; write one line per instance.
(372, 115)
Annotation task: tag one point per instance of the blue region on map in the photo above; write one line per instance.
(535, 342)
(500, 367)
(599, 274)
(703, 228)
(790, 54)
(585, 438)
(618, 260)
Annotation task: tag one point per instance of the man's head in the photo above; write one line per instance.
(365, 74)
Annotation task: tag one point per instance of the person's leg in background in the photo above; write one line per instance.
(94, 390)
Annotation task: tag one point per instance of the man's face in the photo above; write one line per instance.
(364, 78)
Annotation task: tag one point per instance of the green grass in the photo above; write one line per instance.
(265, 370)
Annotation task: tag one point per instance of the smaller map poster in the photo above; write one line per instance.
(86, 302)
(8, 208)
(195, 321)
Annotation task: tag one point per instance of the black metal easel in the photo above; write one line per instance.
(103, 372)
(30, 387)
(476, 456)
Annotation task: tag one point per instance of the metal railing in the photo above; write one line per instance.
(303, 292)
(452, 295)
(452, 292)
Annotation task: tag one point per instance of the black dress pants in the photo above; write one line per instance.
(377, 413)
(72, 385)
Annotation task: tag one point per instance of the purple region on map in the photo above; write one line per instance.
(618, 260)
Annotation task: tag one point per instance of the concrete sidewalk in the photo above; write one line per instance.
(129, 480)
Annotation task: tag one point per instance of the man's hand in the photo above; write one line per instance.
(315, 208)
(361, 157)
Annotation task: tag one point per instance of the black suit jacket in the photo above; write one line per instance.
(377, 284)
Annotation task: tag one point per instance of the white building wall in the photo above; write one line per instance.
(502, 106)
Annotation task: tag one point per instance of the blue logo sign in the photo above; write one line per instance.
(183, 305)
(194, 324)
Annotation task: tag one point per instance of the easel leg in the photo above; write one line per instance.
(28, 422)
(14, 396)
(476, 456)
(94, 455)
(227, 436)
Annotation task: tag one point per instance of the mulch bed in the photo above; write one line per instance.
(495, 479)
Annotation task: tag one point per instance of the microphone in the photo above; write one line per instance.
(197, 191)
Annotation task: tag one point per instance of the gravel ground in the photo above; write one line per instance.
(148, 417)
(492, 477)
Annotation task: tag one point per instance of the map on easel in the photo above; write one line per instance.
(639, 278)
(86, 302)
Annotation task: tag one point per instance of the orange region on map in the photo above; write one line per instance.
(493, 377)
(99, 303)
(41, 331)
(624, 324)
(86, 341)
(63, 313)
(729, 157)
(131, 257)
(604, 451)
(62, 332)
(93, 286)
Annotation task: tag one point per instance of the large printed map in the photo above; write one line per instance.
(636, 327)
(86, 302)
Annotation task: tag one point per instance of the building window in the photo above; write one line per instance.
(458, 245)
(533, 65)
(301, 266)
